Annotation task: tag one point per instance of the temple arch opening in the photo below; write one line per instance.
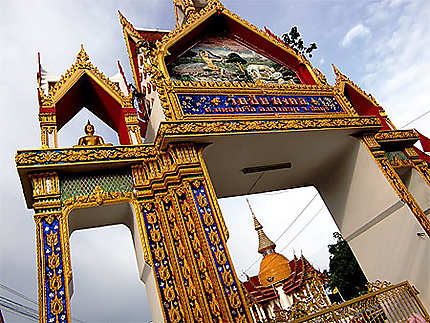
(69, 135)
(362, 202)
(110, 222)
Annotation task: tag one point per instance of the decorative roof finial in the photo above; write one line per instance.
(82, 56)
(265, 245)
(339, 75)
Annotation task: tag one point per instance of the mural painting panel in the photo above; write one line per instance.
(219, 58)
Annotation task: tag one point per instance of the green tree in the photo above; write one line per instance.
(295, 41)
(345, 273)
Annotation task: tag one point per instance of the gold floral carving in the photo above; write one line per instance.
(240, 126)
(342, 79)
(377, 285)
(45, 185)
(81, 65)
(399, 163)
(395, 135)
(28, 158)
(371, 142)
(424, 171)
(97, 198)
(164, 163)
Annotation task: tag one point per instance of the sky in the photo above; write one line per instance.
(383, 45)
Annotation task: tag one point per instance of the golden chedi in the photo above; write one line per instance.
(274, 267)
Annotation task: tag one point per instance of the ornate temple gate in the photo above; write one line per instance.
(178, 219)
(384, 303)
(214, 138)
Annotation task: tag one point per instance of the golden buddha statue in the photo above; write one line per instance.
(90, 139)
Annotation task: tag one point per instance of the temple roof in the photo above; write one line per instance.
(301, 270)
(84, 85)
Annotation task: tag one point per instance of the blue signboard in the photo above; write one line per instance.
(197, 104)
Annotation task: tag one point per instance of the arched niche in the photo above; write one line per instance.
(120, 213)
(70, 133)
(83, 85)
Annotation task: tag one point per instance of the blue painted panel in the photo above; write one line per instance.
(197, 104)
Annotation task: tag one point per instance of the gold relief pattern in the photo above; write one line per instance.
(97, 198)
(45, 185)
(188, 249)
(423, 169)
(53, 294)
(162, 263)
(236, 303)
(83, 155)
(401, 163)
(175, 245)
(200, 128)
(208, 297)
(396, 135)
(83, 63)
(410, 151)
(371, 142)
(164, 163)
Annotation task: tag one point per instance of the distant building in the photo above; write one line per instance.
(283, 285)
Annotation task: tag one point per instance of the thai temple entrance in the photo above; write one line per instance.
(220, 108)
(113, 279)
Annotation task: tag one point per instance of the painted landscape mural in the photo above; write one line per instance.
(219, 58)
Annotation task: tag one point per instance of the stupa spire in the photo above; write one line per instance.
(265, 245)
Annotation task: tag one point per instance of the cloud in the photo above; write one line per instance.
(399, 61)
(358, 31)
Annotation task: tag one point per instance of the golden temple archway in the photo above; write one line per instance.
(200, 125)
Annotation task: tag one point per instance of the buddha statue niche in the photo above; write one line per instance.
(90, 139)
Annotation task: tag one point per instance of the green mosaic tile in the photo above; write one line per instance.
(399, 154)
(76, 185)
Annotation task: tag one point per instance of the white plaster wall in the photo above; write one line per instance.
(381, 230)
(419, 189)
(157, 116)
(152, 294)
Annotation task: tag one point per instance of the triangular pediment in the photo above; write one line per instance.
(217, 45)
(84, 86)
(218, 57)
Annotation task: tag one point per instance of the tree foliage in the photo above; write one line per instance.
(295, 41)
(345, 273)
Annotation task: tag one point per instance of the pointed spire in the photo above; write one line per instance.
(82, 56)
(265, 245)
(339, 75)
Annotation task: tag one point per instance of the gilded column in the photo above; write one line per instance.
(54, 305)
(186, 238)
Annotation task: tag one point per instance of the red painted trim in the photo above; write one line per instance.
(364, 106)
(123, 75)
(422, 155)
